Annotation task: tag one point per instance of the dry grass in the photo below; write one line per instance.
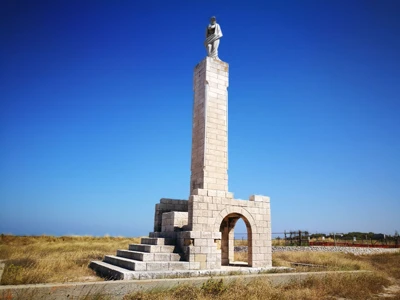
(327, 260)
(387, 264)
(61, 259)
(241, 256)
(238, 242)
(321, 261)
(361, 286)
(45, 259)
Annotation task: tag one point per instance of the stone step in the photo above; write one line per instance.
(158, 241)
(169, 266)
(144, 256)
(126, 263)
(152, 248)
(165, 234)
(109, 271)
(134, 265)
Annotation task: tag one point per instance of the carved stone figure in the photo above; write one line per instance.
(213, 34)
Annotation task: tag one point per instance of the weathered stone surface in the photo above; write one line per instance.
(210, 126)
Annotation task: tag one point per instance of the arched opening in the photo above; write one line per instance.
(227, 230)
(240, 243)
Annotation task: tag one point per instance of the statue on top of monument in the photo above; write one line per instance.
(213, 34)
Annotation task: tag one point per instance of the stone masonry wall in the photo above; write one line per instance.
(207, 239)
(210, 125)
(167, 205)
(211, 211)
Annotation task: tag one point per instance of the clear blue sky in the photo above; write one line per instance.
(96, 103)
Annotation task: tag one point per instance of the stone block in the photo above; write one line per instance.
(258, 217)
(258, 243)
(210, 224)
(216, 235)
(195, 234)
(212, 207)
(172, 220)
(157, 266)
(221, 207)
(195, 250)
(218, 243)
(162, 256)
(217, 200)
(200, 258)
(178, 266)
(211, 243)
(202, 220)
(221, 194)
(194, 265)
(165, 201)
(207, 199)
(200, 242)
(213, 265)
(229, 195)
(211, 258)
(259, 198)
(215, 213)
(206, 249)
(206, 235)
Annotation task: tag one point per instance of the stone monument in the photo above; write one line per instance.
(213, 34)
(198, 233)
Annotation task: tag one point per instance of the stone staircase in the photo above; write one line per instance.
(149, 259)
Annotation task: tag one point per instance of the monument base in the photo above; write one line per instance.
(201, 238)
(115, 273)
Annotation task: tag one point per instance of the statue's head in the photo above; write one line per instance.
(213, 20)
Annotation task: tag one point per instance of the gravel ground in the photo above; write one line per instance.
(354, 250)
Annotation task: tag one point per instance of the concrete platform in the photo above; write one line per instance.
(111, 269)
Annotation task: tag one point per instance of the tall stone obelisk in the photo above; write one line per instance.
(212, 209)
(209, 167)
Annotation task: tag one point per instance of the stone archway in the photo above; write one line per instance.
(227, 239)
(225, 223)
